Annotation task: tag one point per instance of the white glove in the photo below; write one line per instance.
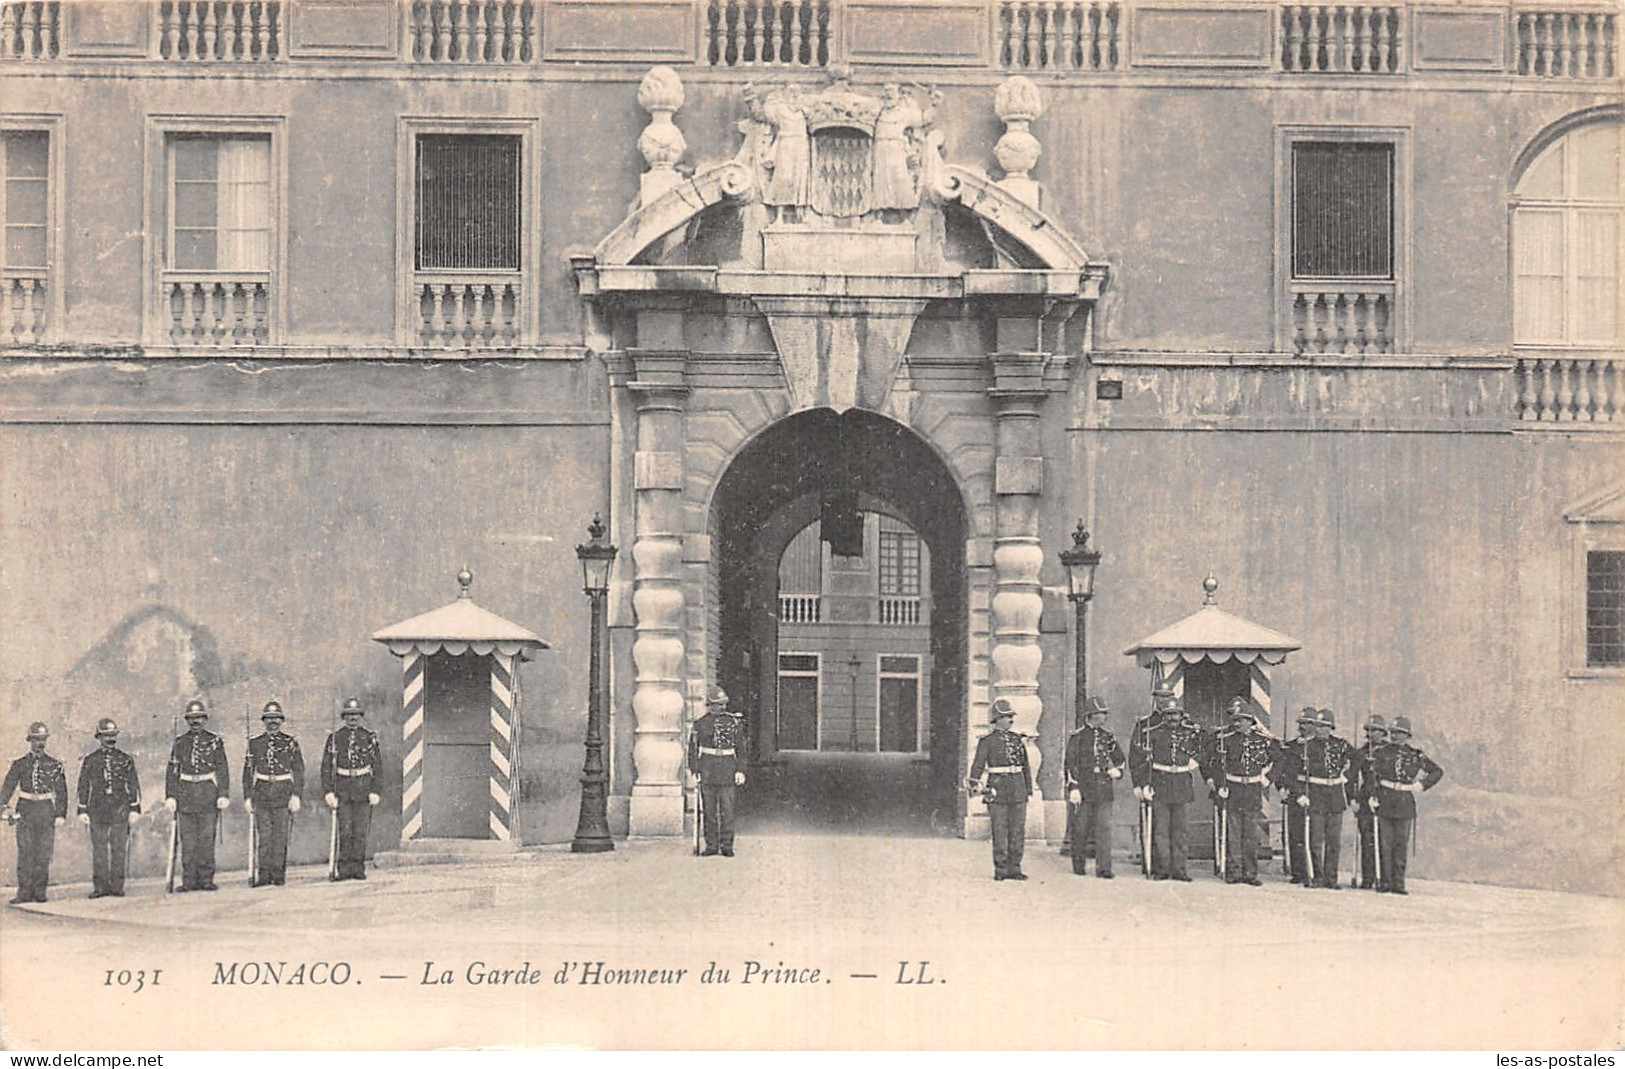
(1139, 794)
(739, 779)
(222, 802)
(1373, 805)
(248, 804)
(294, 803)
(1114, 773)
(691, 780)
(169, 804)
(331, 799)
(1224, 792)
(134, 816)
(84, 818)
(373, 799)
(1074, 796)
(63, 820)
(1150, 792)
(1303, 801)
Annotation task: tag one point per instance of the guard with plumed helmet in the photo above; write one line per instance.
(110, 804)
(41, 787)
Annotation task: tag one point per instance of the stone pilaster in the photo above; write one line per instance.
(1018, 556)
(658, 381)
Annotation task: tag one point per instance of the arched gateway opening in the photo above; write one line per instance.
(833, 745)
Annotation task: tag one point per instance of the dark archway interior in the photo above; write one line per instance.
(771, 489)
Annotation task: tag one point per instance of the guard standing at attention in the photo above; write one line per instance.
(1238, 765)
(350, 761)
(1320, 770)
(1401, 772)
(716, 758)
(110, 803)
(1288, 780)
(1001, 774)
(1094, 762)
(196, 787)
(1376, 734)
(273, 778)
(1161, 760)
(42, 807)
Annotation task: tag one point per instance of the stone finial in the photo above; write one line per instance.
(465, 579)
(662, 143)
(1017, 103)
(1210, 591)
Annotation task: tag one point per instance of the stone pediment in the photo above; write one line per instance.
(1604, 506)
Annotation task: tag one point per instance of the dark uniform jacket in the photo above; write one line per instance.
(1360, 773)
(1324, 769)
(1164, 755)
(273, 770)
(1090, 754)
(350, 764)
(1002, 755)
(198, 772)
(1400, 772)
(109, 789)
(37, 778)
(716, 748)
(1240, 761)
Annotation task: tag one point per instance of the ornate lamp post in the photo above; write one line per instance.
(592, 829)
(1080, 562)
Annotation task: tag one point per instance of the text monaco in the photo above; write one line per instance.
(284, 973)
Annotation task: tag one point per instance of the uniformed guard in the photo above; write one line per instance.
(1376, 734)
(716, 758)
(1161, 760)
(41, 785)
(1238, 764)
(350, 763)
(1003, 777)
(273, 778)
(1320, 771)
(1401, 772)
(197, 787)
(1094, 762)
(110, 804)
(1287, 781)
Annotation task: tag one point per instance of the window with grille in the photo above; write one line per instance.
(25, 204)
(1566, 246)
(1342, 209)
(1605, 609)
(468, 203)
(219, 203)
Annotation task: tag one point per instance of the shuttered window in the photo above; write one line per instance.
(468, 203)
(220, 203)
(1605, 609)
(1342, 210)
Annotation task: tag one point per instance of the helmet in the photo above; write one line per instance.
(1239, 707)
(1402, 725)
(273, 711)
(1327, 719)
(1162, 690)
(1310, 715)
(196, 710)
(716, 696)
(38, 730)
(1377, 723)
(1001, 708)
(352, 705)
(106, 727)
(1095, 705)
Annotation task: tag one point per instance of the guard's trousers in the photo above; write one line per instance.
(1170, 838)
(717, 799)
(109, 855)
(1093, 821)
(1009, 827)
(197, 847)
(1326, 845)
(36, 842)
(271, 843)
(1364, 821)
(1396, 844)
(355, 823)
(1241, 836)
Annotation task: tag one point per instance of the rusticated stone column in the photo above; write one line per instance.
(657, 591)
(1017, 393)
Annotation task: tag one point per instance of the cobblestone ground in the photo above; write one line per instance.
(826, 941)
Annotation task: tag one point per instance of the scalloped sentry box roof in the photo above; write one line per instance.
(458, 628)
(1212, 634)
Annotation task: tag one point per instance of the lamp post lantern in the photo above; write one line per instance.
(592, 829)
(1080, 562)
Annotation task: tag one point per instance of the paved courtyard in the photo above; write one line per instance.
(826, 941)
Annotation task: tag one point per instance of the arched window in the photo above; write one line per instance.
(1566, 222)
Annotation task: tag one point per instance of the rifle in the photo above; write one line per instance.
(699, 817)
(175, 817)
(248, 797)
(333, 844)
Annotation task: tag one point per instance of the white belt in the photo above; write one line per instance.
(25, 796)
(1006, 770)
(1391, 785)
(715, 752)
(1246, 779)
(285, 777)
(365, 770)
(1189, 766)
(207, 777)
(1322, 781)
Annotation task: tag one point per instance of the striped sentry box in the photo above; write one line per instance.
(412, 747)
(502, 745)
(1261, 688)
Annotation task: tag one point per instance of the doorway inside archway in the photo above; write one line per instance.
(839, 542)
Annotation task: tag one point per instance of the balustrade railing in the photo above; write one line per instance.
(800, 608)
(24, 311)
(233, 31)
(899, 610)
(1343, 317)
(208, 308)
(475, 31)
(769, 33)
(1059, 36)
(1342, 38)
(1569, 390)
(468, 311)
(1566, 44)
(30, 29)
